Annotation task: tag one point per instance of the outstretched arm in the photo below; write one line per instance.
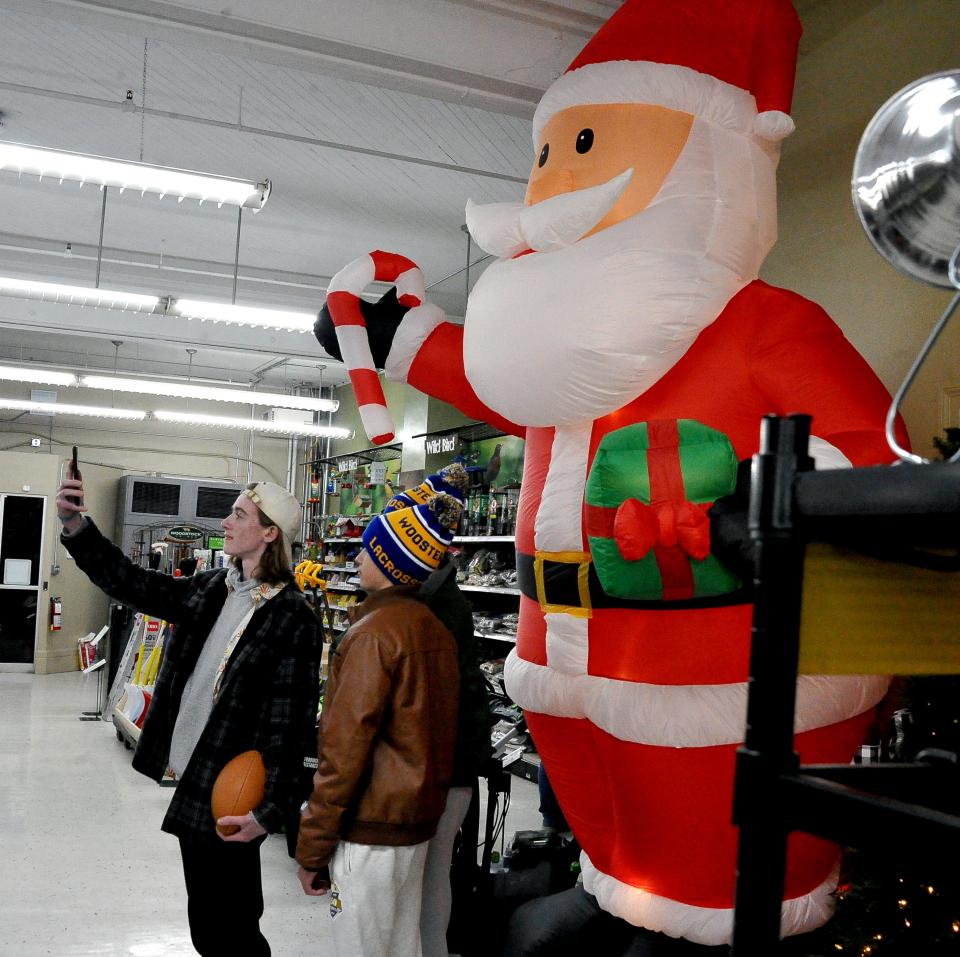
(803, 362)
(108, 568)
(423, 349)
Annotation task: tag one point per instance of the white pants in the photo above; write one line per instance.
(374, 900)
(435, 913)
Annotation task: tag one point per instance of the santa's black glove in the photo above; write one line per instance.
(382, 319)
(729, 534)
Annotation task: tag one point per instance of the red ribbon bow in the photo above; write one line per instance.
(637, 528)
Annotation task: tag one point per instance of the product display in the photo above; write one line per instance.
(130, 696)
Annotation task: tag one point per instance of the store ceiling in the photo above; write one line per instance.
(375, 121)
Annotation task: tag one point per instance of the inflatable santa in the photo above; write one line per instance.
(624, 333)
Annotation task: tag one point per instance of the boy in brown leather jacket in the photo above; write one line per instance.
(387, 733)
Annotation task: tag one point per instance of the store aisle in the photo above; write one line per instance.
(85, 870)
(84, 867)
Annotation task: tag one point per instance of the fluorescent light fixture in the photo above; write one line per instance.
(191, 390)
(255, 425)
(205, 311)
(141, 177)
(77, 295)
(37, 376)
(243, 315)
(63, 408)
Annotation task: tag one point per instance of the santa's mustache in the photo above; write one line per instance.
(505, 229)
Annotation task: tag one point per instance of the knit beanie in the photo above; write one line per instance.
(407, 544)
(451, 479)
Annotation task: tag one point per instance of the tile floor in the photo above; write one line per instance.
(84, 869)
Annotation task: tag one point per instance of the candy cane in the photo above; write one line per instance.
(343, 303)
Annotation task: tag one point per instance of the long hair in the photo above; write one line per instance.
(273, 567)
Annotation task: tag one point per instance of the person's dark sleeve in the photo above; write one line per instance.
(156, 594)
(293, 724)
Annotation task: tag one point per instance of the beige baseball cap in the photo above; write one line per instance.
(281, 508)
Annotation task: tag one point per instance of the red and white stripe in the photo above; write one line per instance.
(343, 302)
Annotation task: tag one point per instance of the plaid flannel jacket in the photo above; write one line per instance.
(268, 700)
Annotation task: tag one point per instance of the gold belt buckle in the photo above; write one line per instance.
(582, 561)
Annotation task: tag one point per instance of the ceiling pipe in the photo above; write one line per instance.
(257, 131)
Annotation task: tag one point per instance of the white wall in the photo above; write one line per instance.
(854, 56)
(107, 451)
(149, 446)
(84, 607)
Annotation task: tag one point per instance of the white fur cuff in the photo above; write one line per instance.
(414, 330)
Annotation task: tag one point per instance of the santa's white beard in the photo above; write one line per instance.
(569, 336)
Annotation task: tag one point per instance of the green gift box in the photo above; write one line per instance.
(647, 495)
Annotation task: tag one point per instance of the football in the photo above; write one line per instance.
(238, 788)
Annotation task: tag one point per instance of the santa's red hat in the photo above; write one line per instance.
(730, 62)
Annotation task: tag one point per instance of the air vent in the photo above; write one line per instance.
(156, 498)
(215, 502)
(43, 395)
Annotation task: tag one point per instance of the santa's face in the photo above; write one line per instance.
(585, 146)
(644, 223)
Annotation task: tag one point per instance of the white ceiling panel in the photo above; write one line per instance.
(374, 121)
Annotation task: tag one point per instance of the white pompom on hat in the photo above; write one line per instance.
(730, 62)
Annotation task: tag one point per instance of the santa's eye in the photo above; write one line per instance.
(544, 153)
(584, 140)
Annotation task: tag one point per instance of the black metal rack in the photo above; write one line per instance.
(907, 519)
(376, 453)
(471, 432)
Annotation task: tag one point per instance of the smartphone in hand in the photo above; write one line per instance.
(75, 473)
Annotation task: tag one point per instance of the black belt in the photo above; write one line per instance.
(576, 586)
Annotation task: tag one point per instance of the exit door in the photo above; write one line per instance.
(21, 544)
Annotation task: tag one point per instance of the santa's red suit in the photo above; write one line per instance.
(637, 707)
(637, 712)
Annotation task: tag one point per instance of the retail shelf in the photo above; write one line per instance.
(340, 568)
(334, 586)
(497, 636)
(378, 453)
(492, 589)
(473, 432)
(480, 539)
(342, 541)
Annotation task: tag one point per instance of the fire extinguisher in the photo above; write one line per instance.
(56, 614)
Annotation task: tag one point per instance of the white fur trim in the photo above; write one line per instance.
(710, 926)
(680, 716)
(567, 643)
(827, 456)
(773, 125)
(354, 277)
(559, 526)
(661, 84)
(414, 330)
